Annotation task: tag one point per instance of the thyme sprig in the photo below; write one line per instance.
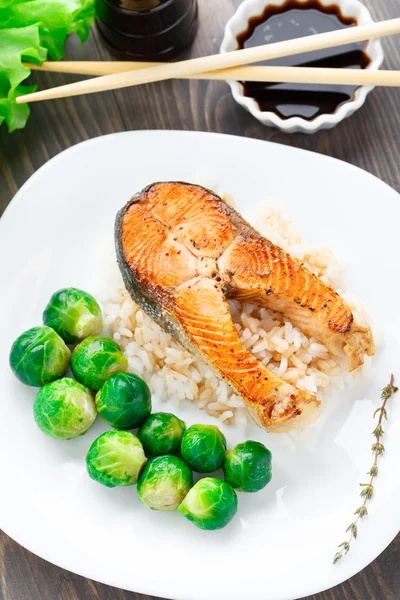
(368, 488)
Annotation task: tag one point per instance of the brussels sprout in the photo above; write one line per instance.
(203, 448)
(161, 434)
(164, 482)
(64, 409)
(115, 458)
(73, 314)
(38, 356)
(210, 504)
(247, 467)
(124, 401)
(95, 359)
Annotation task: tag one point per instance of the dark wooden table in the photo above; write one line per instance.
(370, 140)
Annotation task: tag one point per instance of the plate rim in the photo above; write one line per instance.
(184, 132)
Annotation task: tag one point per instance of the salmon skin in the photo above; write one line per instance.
(183, 251)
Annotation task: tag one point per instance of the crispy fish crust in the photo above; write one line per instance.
(183, 251)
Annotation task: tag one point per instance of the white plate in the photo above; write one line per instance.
(282, 542)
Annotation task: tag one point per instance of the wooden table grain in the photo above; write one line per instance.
(369, 139)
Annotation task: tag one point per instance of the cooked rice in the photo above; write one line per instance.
(174, 373)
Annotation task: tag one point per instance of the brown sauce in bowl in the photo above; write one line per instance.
(292, 20)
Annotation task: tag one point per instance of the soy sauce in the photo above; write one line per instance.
(292, 20)
(151, 30)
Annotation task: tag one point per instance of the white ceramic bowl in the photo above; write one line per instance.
(238, 23)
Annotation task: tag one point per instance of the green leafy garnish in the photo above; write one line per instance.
(17, 45)
(367, 489)
(33, 31)
(57, 19)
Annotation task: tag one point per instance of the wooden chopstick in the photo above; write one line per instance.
(219, 61)
(92, 67)
(267, 74)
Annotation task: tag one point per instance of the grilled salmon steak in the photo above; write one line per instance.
(183, 251)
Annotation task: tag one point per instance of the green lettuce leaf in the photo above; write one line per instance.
(32, 31)
(17, 45)
(57, 19)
